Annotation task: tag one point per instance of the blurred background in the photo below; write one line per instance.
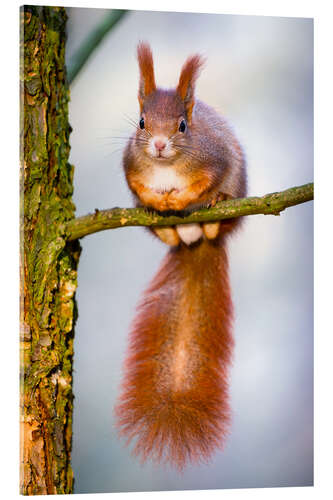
(259, 74)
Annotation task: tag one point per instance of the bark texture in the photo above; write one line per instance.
(48, 263)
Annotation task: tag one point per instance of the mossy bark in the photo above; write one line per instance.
(48, 263)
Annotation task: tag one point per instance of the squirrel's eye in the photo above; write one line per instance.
(142, 123)
(182, 126)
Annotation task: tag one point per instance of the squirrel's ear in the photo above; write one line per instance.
(188, 76)
(147, 83)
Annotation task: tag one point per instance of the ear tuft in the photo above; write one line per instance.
(188, 76)
(147, 83)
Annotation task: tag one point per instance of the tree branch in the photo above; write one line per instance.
(94, 38)
(270, 204)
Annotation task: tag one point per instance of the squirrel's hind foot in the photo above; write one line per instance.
(168, 235)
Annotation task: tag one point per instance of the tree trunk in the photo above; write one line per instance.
(48, 264)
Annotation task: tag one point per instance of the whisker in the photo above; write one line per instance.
(142, 140)
(147, 132)
(112, 153)
(130, 117)
(190, 152)
(131, 121)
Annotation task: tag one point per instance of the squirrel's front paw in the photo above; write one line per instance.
(155, 200)
(219, 197)
(177, 201)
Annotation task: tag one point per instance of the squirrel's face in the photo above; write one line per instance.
(164, 125)
(163, 128)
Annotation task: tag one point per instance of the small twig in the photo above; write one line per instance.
(273, 204)
(93, 39)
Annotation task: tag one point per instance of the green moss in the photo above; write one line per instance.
(49, 264)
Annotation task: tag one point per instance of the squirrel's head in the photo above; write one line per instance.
(165, 115)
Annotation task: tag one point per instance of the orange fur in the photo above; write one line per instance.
(174, 401)
(200, 185)
(186, 85)
(175, 396)
(147, 83)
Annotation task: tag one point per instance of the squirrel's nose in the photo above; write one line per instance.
(159, 144)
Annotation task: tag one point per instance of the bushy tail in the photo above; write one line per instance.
(174, 400)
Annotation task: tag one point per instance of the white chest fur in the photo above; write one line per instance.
(164, 178)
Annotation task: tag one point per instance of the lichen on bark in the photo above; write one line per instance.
(48, 263)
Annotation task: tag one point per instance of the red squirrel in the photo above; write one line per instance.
(182, 156)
